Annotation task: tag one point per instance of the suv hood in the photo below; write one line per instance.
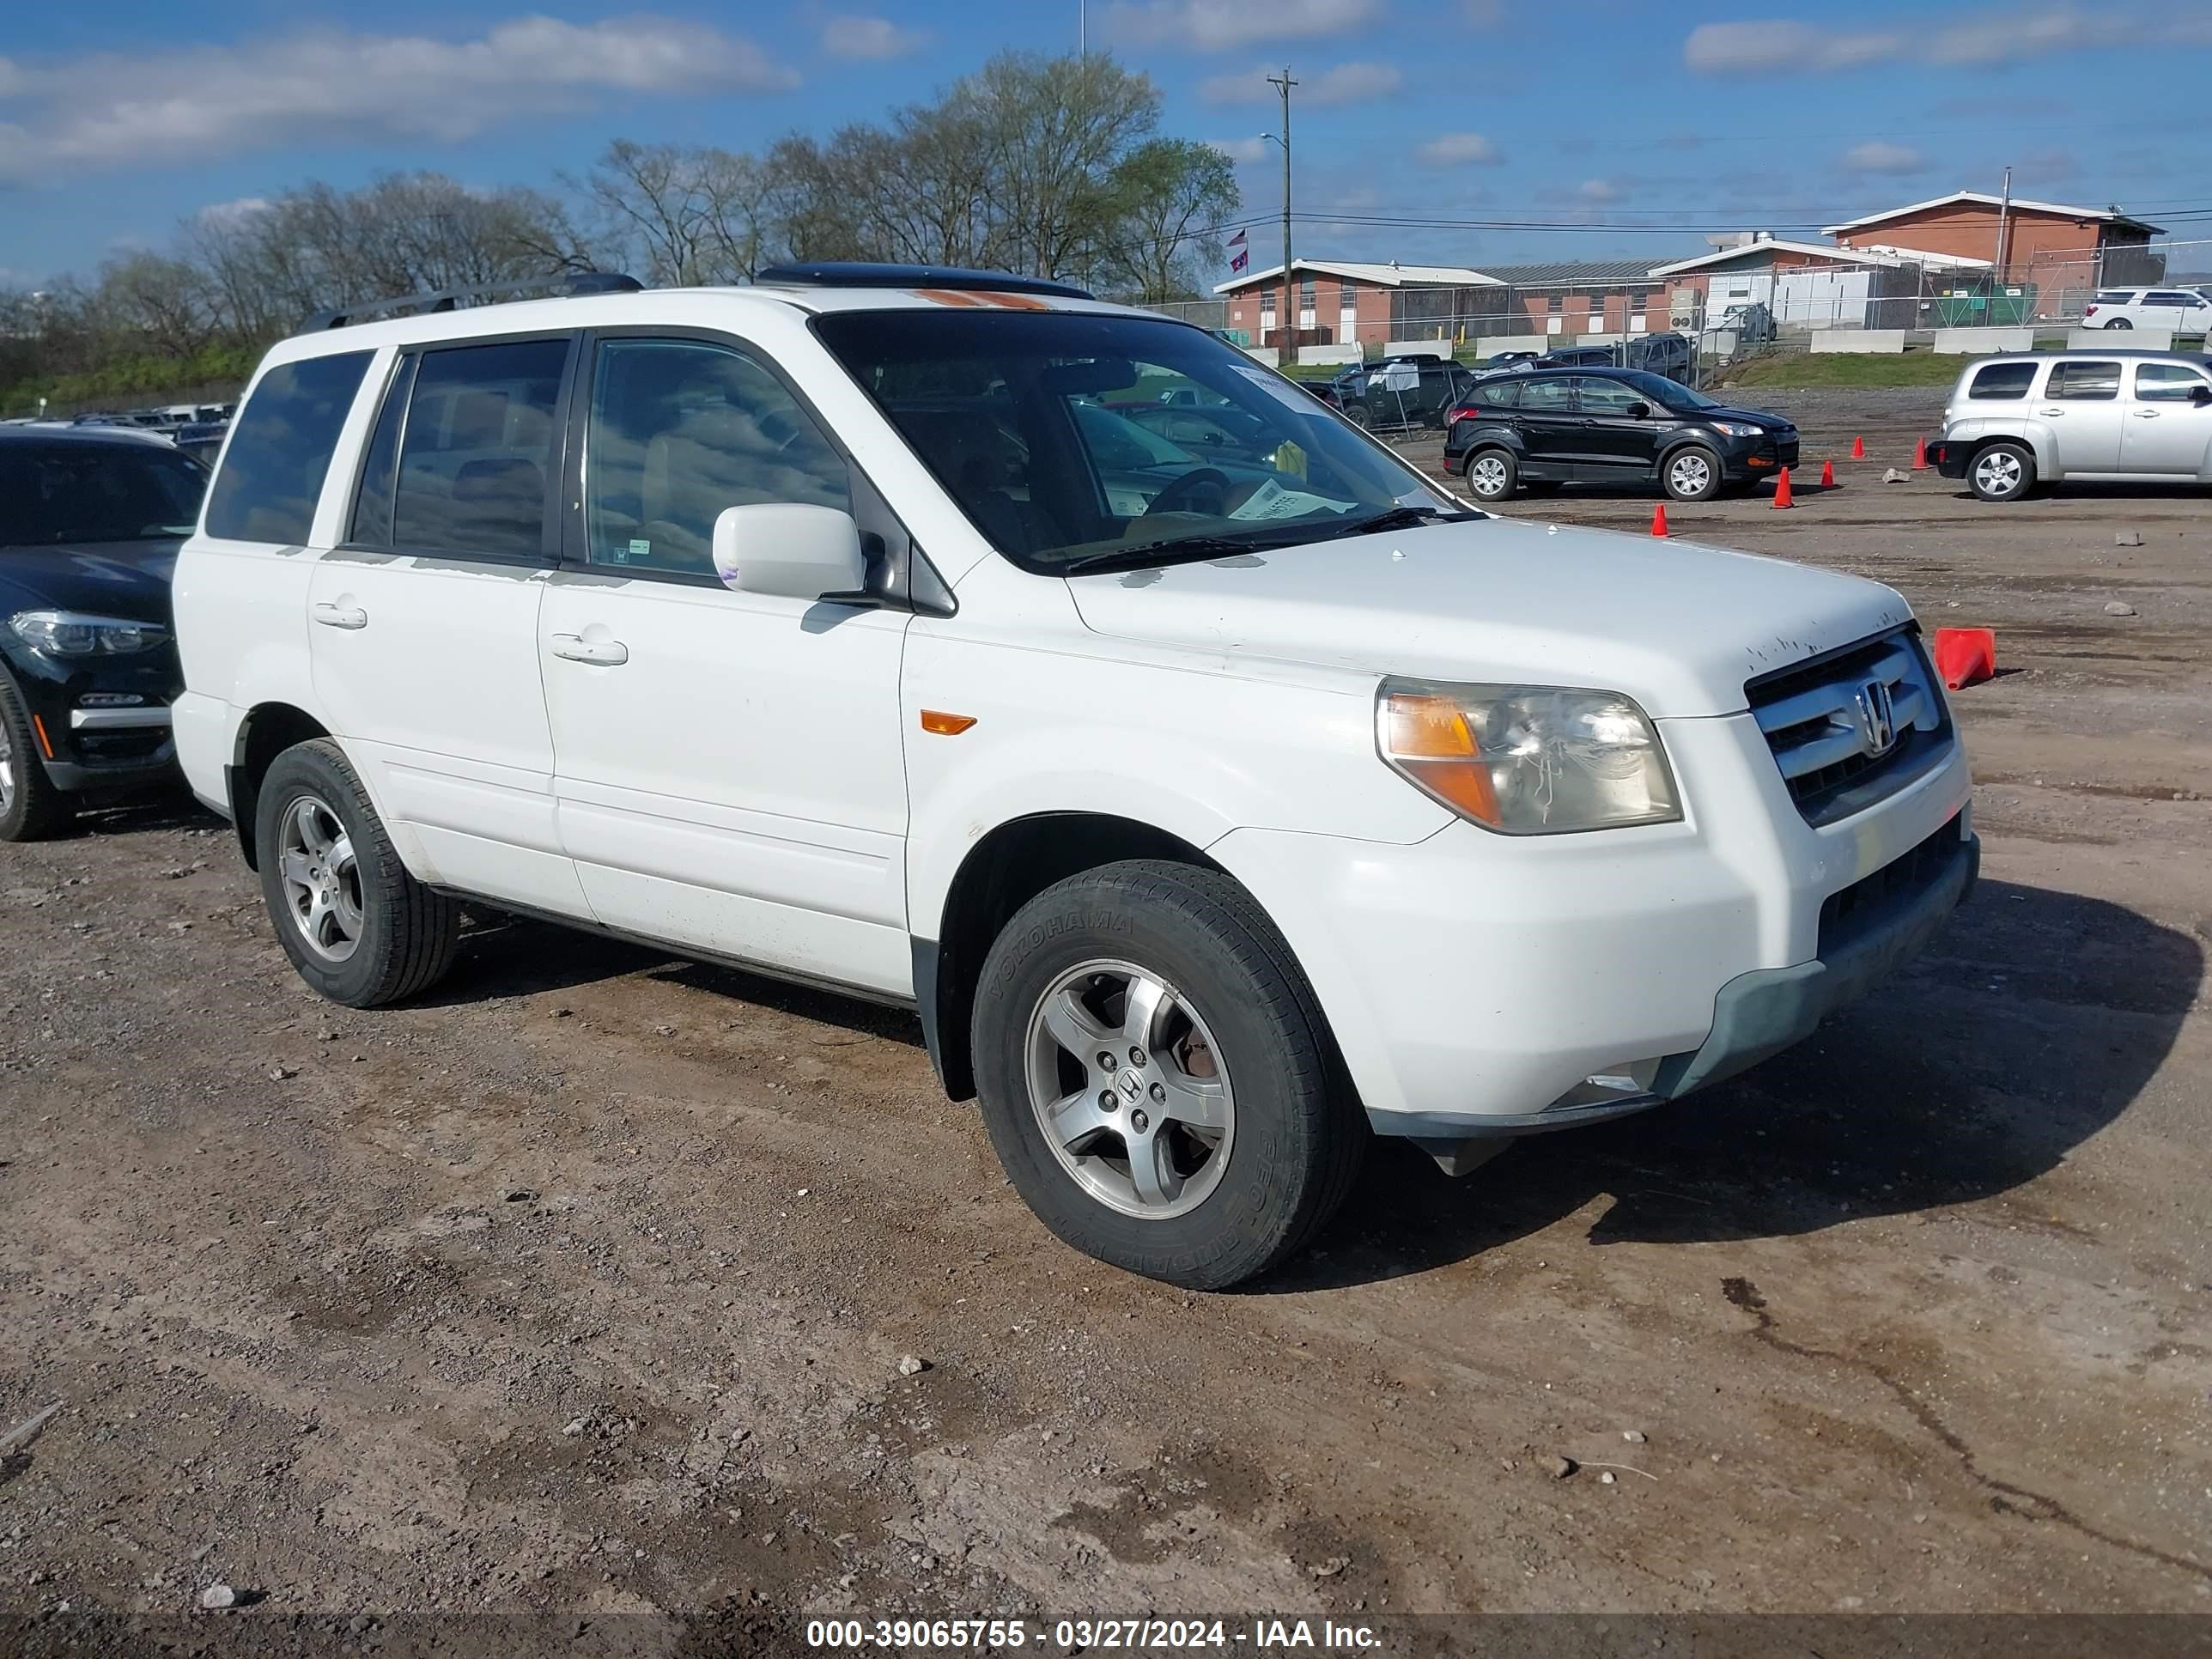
(1678, 627)
(125, 580)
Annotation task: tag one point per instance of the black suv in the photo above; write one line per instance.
(90, 521)
(1609, 426)
(1401, 392)
(1668, 353)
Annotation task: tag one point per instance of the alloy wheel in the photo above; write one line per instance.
(321, 880)
(1997, 472)
(1689, 475)
(6, 769)
(1486, 477)
(1130, 1090)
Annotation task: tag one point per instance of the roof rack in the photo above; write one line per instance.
(452, 299)
(852, 273)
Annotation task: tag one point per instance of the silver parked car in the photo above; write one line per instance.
(2039, 417)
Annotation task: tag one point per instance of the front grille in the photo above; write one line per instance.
(1821, 720)
(1861, 907)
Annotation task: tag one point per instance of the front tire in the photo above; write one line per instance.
(358, 928)
(31, 807)
(1230, 1137)
(1491, 474)
(1691, 473)
(2001, 472)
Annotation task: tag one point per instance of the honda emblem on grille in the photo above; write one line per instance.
(1877, 719)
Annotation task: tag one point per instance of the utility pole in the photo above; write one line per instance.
(1286, 344)
(2004, 227)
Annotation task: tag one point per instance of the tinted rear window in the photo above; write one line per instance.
(479, 448)
(2006, 380)
(272, 473)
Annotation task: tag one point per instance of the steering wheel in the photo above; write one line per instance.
(1184, 495)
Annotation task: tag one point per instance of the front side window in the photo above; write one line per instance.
(2001, 382)
(1027, 422)
(478, 449)
(2167, 383)
(680, 430)
(85, 491)
(2089, 383)
(1606, 397)
(280, 452)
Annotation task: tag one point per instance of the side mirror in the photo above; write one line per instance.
(1638, 410)
(793, 551)
(2200, 394)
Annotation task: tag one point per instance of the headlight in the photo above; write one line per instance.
(1739, 429)
(70, 633)
(1528, 760)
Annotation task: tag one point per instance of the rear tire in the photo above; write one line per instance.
(1491, 474)
(359, 928)
(1356, 414)
(2120, 322)
(2001, 472)
(1232, 1135)
(31, 807)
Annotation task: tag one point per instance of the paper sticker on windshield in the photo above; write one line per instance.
(1276, 388)
(1272, 501)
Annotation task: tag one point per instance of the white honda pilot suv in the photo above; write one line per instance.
(1219, 792)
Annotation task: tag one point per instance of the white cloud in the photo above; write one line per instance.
(870, 37)
(1749, 48)
(1458, 150)
(1599, 190)
(1242, 151)
(232, 212)
(114, 109)
(1220, 24)
(1979, 39)
(1347, 84)
(1877, 157)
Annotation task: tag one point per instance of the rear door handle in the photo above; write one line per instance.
(2051, 411)
(2145, 414)
(607, 653)
(341, 615)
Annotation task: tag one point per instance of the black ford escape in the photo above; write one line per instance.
(1609, 426)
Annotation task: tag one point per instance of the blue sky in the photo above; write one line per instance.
(1597, 121)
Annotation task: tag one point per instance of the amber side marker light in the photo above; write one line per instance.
(1427, 738)
(943, 725)
(45, 743)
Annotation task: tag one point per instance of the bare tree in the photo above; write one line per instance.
(1171, 195)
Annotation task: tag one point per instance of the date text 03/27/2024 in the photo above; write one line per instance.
(1085, 1635)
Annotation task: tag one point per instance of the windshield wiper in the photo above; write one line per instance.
(1396, 517)
(1175, 549)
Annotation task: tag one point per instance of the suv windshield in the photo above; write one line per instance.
(1046, 427)
(1672, 393)
(82, 491)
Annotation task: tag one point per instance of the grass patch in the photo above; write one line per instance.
(1849, 368)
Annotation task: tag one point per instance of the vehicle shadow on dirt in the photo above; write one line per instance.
(2033, 1022)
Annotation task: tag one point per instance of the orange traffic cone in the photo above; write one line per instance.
(1858, 449)
(1659, 520)
(1782, 495)
(1920, 456)
(1827, 475)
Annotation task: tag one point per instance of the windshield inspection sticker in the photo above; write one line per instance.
(1276, 388)
(1272, 501)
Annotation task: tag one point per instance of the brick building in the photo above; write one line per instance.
(1340, 302)
(2064, 251)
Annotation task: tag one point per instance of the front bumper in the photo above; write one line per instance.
(1481, 986)
(1758, 457)
(89, 739)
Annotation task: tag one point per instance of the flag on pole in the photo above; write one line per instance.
(1239, 255)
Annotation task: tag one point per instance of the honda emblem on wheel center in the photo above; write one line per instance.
(1130, 1085)
(1877, 718)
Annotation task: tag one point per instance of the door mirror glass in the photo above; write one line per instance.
(793, 551)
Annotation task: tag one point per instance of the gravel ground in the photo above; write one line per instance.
(584, 1286)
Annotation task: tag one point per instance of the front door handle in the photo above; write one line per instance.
(607, 653)
(2051, 411)
(2145, 414)
(341, 615)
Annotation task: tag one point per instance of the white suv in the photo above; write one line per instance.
(2183, 310)
(2040, 417)
(1215, 812)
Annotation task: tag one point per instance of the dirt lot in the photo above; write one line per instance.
(585, 1286)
